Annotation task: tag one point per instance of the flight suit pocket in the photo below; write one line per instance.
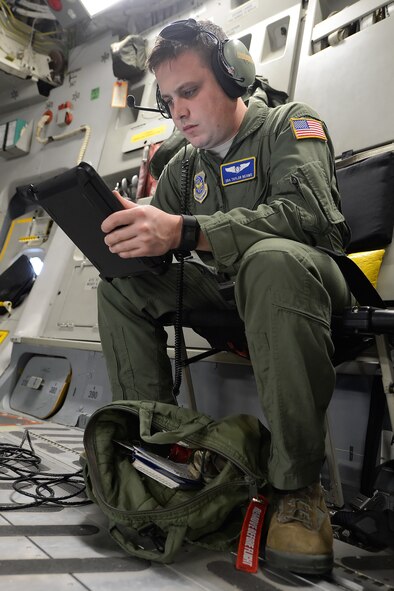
(312, 183)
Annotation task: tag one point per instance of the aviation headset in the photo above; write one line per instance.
(232, 63)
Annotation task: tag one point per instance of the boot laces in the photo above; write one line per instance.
(297, 506)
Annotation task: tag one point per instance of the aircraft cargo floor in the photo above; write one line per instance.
(67, 548)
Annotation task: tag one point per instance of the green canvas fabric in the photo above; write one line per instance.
(150, 520)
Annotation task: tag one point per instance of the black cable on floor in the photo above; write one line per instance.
(21, 466)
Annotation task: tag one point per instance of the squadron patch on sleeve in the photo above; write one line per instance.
(200, 190)
(304, 128)
(239, 171)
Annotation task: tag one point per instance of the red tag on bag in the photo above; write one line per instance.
(249, 543)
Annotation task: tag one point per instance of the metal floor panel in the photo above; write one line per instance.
(68, 548)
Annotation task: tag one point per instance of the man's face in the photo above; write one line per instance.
(200, 109)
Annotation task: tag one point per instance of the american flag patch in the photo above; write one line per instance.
(307, 128)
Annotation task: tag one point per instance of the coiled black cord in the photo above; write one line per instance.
(179, 285)
(21, 466)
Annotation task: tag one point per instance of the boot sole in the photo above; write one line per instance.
(318, 564)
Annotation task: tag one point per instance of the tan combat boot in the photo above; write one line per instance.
(300, 535)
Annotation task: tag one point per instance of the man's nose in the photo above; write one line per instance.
(179, 109)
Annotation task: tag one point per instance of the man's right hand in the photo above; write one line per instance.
(141, 230)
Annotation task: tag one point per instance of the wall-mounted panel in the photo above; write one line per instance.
(346, 73)
(74, 311)
(273, 46)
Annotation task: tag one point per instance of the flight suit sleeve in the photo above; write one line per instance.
(302, 205)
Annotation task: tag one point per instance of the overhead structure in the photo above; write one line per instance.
(30, 43)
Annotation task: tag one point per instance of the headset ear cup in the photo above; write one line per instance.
(233, 67)
(230, 87)
(162, 105)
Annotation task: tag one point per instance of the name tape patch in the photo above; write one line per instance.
(238, 172)
(307, 128)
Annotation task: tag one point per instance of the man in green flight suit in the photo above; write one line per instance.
(264, 195)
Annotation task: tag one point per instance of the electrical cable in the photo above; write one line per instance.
(34, 14)
(22, 467)
(179, 284)
(34, 6)
(21, 32)
(39, 10)
(86, 129)
(178, 325)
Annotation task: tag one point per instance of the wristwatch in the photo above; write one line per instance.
(190, 233)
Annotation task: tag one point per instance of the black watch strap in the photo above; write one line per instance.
(190, 233)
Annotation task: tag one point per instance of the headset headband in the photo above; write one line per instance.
(184, 30)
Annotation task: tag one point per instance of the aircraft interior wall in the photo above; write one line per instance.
(334, 55)
(312, 50)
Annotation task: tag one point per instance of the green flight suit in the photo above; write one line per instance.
(263, 216)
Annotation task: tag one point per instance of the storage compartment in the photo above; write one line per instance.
(42, 387)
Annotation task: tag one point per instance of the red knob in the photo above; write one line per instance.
(55, 5)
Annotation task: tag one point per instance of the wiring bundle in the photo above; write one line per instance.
(21, 467)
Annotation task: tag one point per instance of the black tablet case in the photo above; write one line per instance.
(78, 200)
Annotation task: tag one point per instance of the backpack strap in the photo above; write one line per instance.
(164, 548)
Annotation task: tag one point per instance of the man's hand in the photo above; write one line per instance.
(141, 230)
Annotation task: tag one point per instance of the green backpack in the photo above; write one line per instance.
(151, 520)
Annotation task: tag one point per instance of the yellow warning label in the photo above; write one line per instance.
(145, 134)
(29, 238)
(3, 335)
